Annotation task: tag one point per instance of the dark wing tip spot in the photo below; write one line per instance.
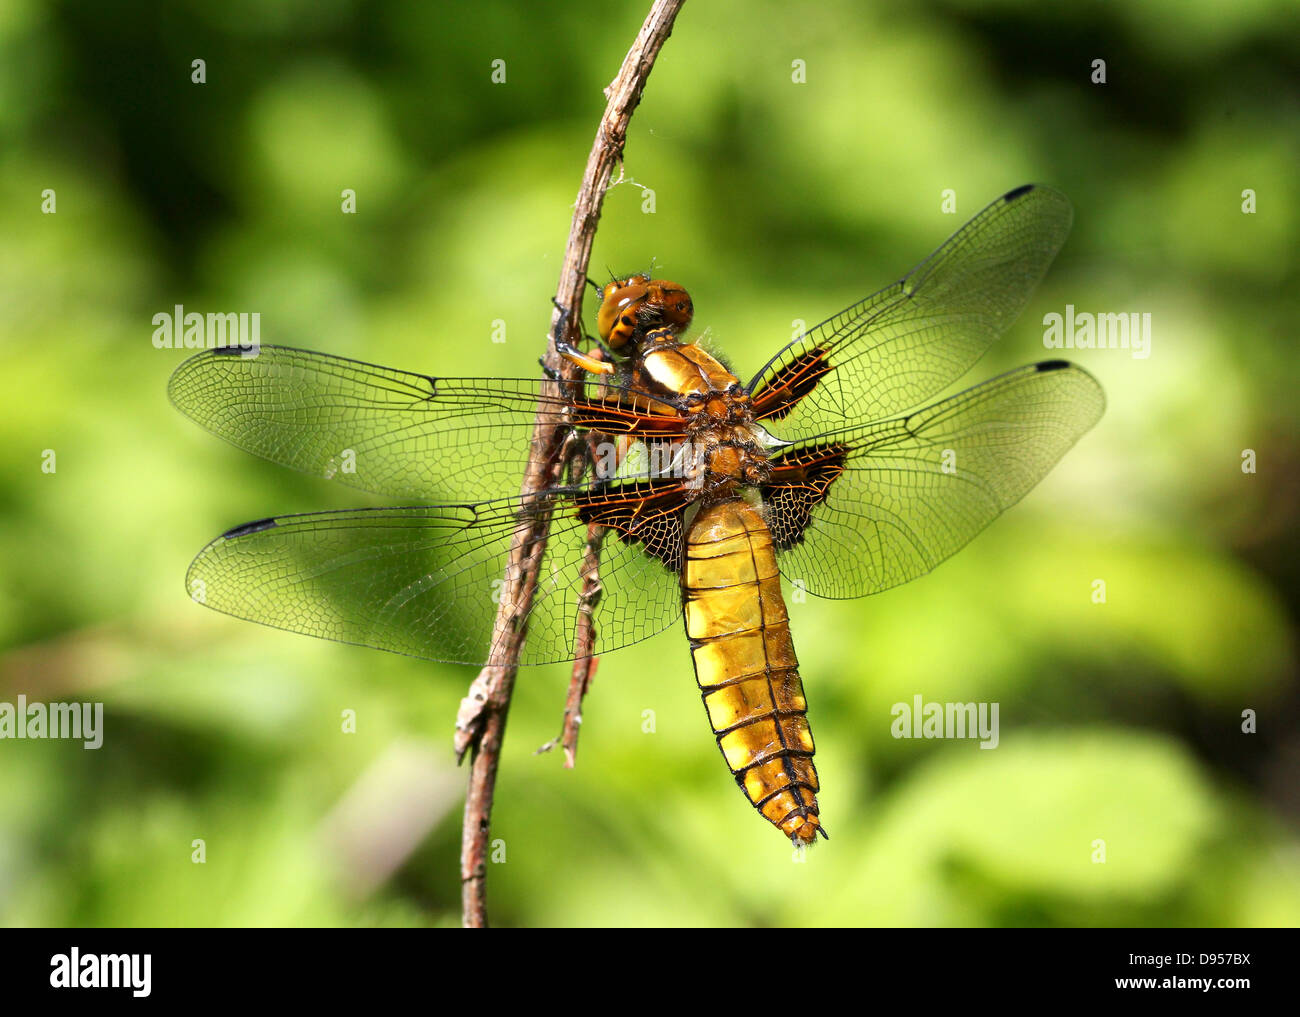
(1018, 192)
(229, 351)
(256, 526)
(1053, 365)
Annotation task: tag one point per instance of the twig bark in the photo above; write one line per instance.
(480, 724)
(584, 642)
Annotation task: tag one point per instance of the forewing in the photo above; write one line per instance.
(396, 433)
(899, 347)
(860, 510)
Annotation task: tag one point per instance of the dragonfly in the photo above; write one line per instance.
(831, 467)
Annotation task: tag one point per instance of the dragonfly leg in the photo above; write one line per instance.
(574, 355)
(571, 353)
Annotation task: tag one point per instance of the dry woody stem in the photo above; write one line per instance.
(584, 664)
(480, 724)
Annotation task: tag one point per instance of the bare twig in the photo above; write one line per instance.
(480, 724)
(584, 664)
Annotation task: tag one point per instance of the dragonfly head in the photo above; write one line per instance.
(633, 306)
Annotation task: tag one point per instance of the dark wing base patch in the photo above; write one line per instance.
(800, 481)
(781, 391)
(648, 513)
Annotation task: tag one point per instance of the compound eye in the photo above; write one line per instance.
(616, 320)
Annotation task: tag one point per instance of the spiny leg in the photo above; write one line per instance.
(571, 353)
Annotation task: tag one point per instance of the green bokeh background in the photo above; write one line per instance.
(773, 201)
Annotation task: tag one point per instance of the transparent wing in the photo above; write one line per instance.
(396, 433)
(897, 348)
(426, 581)
(860, 510)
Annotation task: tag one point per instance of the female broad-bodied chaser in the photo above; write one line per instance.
(824, 467)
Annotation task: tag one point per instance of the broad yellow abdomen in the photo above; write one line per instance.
(745, 664)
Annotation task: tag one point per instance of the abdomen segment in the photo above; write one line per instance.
(739, 633)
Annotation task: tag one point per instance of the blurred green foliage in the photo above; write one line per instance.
(774, 201)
